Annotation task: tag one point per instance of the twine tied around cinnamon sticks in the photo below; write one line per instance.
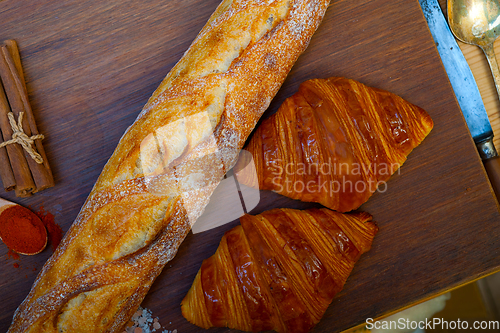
(18, 136)
(23, 163)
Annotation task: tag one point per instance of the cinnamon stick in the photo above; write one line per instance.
(6, 173)
(18, 100)
(16, 57)
(14, 53)
(22, 174)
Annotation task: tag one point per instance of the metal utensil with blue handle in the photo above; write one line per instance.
(465, 88)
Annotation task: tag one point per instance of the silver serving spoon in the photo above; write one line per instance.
(477, 22)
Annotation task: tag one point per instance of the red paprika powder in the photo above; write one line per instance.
(53, 229)
(22, 231)
(13, 255)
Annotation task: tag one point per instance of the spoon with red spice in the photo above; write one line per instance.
(21, 229)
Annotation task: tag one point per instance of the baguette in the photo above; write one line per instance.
(167, 164)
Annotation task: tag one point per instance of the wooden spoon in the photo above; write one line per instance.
(477, 22)
(30, 219)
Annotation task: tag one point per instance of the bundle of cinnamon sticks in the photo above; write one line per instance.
(19, 170)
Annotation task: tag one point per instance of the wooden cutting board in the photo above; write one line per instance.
(91, 66)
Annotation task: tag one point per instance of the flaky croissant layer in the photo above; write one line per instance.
(278, 270)
(335, 141)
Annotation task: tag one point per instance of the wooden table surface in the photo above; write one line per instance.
(91, 66)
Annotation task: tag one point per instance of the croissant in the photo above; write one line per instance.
(278, 270)
(334, 142)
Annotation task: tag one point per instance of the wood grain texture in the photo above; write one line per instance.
(91, 66)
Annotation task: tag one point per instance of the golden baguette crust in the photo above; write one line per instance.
(166, 166)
